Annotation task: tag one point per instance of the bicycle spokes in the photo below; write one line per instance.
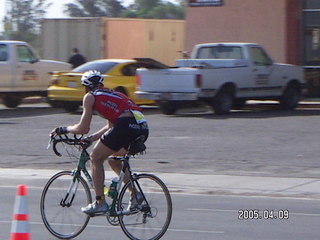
(61, 201)
(151, 218)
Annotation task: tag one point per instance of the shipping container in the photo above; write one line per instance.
(96, 38)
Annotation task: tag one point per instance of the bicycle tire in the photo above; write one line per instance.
(64, 222)
(141, 225)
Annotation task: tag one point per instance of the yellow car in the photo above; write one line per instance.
(119, 74)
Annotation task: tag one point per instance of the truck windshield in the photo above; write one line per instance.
(220, 52)
(102, 67)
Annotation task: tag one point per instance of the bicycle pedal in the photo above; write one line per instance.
(134, 211)
(99, 214)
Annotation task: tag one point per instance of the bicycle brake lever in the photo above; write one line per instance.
(50, 141)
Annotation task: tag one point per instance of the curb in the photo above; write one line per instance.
(194, 183)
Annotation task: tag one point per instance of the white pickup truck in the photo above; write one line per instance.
(223, 75)
(23, 74)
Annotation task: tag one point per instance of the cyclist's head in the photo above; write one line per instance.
(92, 79)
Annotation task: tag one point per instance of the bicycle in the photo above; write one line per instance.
(67, 191)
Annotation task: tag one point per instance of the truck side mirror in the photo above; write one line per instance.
(34, 60)
(185, 54)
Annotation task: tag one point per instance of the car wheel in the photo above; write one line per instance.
(54, 104)
(11, 101)
(71, 106)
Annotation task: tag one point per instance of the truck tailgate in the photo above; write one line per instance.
(168, 80)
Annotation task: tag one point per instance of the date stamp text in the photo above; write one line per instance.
(255, 214)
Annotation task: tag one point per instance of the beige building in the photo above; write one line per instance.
(159, 39)
(113, 38)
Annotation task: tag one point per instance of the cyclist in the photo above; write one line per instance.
(125, 124)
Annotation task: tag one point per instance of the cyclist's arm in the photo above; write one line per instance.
(98, 134)
(83, 127)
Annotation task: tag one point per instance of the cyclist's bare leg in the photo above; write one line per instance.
(99, 153)
(116, 166)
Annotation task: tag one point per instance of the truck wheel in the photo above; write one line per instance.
(239, 104)
(71, 106)
(291, 97)
(222, 102)
(168, 107)
(11, 101)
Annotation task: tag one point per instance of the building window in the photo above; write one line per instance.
(312, 4)
(311, 19)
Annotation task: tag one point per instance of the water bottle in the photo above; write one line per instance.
(113, 188)
(105, 190)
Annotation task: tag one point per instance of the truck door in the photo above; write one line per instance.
(262, 67)
(26, 73)
(5, 68)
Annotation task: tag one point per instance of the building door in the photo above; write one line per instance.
(311, 36)
(311, 46)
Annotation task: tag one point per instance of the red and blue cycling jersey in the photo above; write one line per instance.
(110, 104)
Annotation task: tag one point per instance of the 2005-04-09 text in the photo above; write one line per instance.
(255, 214)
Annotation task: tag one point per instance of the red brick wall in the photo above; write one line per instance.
(293, 32)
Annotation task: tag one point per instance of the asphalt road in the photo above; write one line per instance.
(255, 142)
(205, 217)
(260, 141)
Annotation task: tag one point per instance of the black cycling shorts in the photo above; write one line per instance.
(124, 131)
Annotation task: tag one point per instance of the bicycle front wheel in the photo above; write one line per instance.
(152, 219)
(61, 202)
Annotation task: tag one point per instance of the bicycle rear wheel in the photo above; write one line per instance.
(61, 202)
(154, 215)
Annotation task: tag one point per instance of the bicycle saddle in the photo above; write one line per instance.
(137, 146)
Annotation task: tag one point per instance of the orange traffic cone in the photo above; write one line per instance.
(20, 226)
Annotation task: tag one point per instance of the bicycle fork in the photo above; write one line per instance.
(65, 202)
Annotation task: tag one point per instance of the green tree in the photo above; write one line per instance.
(114, 8)
(155, 9)
(22, 20)
(166, 11)
(83, 8)
(94, 8)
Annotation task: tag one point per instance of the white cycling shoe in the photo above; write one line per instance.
(135, 202)
(95, 208)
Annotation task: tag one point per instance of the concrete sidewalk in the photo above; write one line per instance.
(193, 183)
